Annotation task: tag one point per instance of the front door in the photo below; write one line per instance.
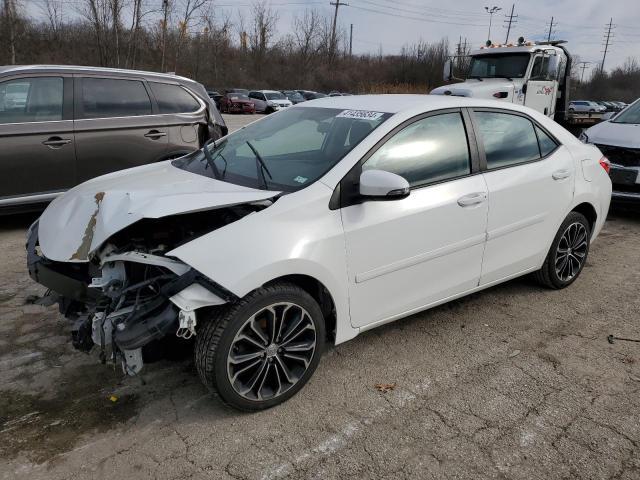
(542, 87)
(37, 154)
(530, 178)
(116, 126)
(406, 254)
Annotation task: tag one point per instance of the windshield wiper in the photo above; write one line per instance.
(209, 158)
(261, 166)
(476, 78)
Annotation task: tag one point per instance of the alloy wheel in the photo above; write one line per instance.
(571, 252)
(271, 351)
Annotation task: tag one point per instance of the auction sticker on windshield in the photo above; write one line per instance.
(360, 114)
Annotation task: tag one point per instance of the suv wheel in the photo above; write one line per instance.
(568, 253)
(261, 351)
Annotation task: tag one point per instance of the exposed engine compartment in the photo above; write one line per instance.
(129, 293)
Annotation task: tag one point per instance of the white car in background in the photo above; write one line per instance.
(313, 225)
(269, 101)
(619, 139)
(583, 106)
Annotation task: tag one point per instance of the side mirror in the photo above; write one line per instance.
(447, 73)
(383, 185)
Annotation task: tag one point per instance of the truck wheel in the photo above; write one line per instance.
(261, 351)
(568, 253)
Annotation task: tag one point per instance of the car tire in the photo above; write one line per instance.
(568, 253)
(248, 364)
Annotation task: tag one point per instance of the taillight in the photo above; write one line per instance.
(500, 94)
(606, 164)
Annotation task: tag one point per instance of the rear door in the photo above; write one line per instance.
(185, 117)
(37, 156)
(259, 101)
(530, 178)
(117, 125)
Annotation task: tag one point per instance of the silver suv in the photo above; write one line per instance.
(62, 125)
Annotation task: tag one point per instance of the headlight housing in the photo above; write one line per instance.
(584, 138)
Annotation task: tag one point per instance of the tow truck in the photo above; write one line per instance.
(533, 74)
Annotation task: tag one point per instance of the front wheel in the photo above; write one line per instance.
(261, 351)
(568, 253)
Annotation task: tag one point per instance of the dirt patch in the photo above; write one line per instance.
(42, 428)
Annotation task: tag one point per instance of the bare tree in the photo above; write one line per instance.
(263, 28)
(10, 16)
(189, 9)
(98, 13)
(167, 9)
(53, 11)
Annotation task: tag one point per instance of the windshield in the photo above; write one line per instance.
(499, 66)
(286, 151)
(294, 95)
(631, 114)
(275, 96)
(236, 96)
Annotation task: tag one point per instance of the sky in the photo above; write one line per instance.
(388, 25)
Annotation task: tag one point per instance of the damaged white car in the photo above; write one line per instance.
(315, 224)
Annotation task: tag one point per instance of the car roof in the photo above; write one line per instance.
(268, 91)
(85, 69)
(395, 103)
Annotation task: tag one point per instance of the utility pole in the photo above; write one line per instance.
(491, 11)
(351, 41)
(10, 18)
(512, 21)
(551, 25)
(607, 38)
(583, 66)
(336, 4)
(165, 20)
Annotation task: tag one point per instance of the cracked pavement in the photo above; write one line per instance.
(516, 382)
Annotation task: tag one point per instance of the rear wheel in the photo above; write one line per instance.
(568, 253)
(261, 351)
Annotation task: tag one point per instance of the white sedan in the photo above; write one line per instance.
(315, 224)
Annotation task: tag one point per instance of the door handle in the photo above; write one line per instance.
(472, 199)
(56, 142)
(154, 134)
(560, 174)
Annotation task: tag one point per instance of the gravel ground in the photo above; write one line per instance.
(513, 382)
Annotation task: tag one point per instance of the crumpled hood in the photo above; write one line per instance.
(477, 89)
(75, 224)
(615, 134)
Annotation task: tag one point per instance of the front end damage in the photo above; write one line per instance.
(129, 294)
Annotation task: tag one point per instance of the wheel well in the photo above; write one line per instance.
(320, 294)
(589, 212)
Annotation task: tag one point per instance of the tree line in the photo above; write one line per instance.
(196, 39)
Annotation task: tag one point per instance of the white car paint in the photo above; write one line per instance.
(378, 260)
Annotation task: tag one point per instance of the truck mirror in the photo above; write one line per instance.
(447, 74)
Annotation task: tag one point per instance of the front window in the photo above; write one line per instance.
(629, 115)
(275, 96)
(499, 66)
(287, 151)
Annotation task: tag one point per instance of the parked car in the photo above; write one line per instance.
(582, 106)
(619, 139)
(243, 91)
(236, 103)
(294, 96)
(269, 101)
(309, 95)
(338, 94)
(215, 96)
(62, 125)
(321, 222)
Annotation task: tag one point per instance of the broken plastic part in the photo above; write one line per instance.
(132, 361)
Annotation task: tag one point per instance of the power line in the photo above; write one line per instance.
(426, 20)
(512, 20)
(607, 42)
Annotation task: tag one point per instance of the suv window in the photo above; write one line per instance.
(173, 98)
(110, 97)
(540, 69)
(547, 144)
(508, 139)
(429, 150)
(37, 99)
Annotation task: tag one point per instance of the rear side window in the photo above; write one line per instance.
(508, 139)
(547, 144)
(173, 98)
(429, 150)
(37, 99)
(110, 97)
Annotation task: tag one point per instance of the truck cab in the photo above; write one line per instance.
(534, 74)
